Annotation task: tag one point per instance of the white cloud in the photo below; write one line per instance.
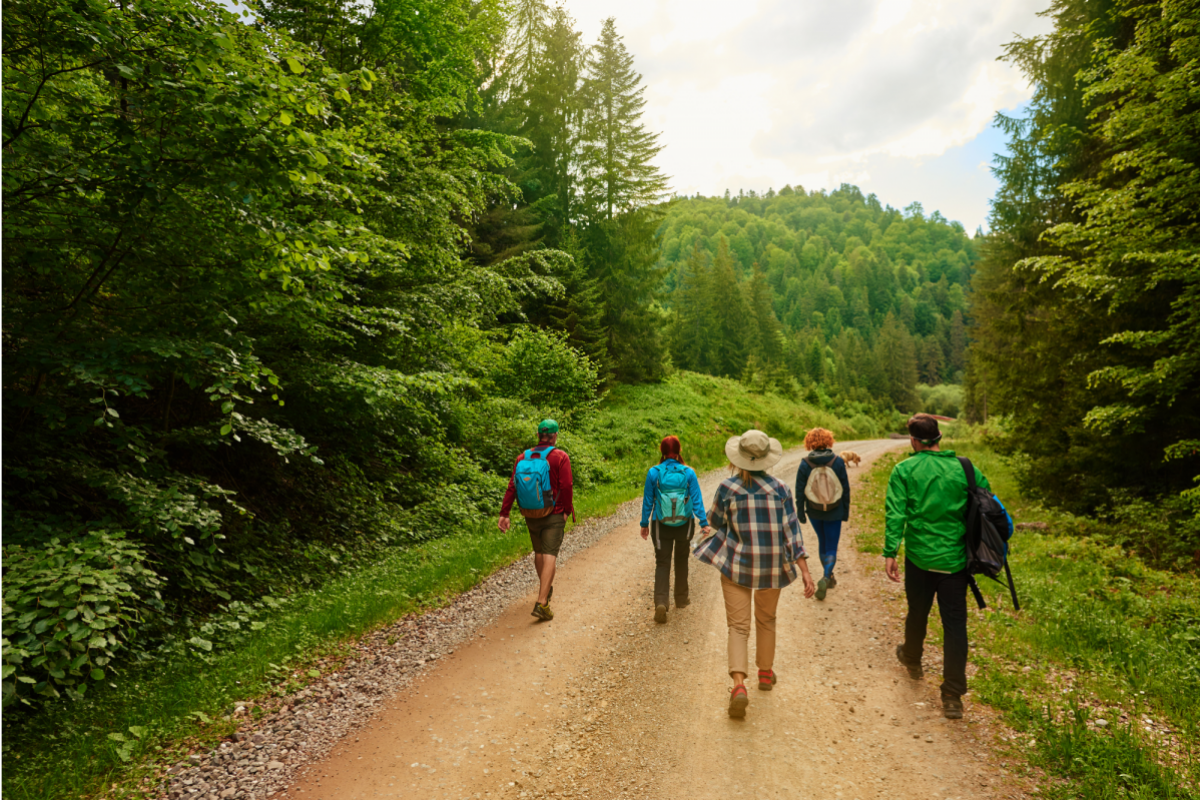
(760, 93)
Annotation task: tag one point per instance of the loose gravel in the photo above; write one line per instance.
(264, 756)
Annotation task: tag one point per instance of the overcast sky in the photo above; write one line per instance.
(896, 96)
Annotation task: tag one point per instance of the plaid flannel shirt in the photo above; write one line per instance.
(756, 540)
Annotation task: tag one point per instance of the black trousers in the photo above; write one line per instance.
(921, 586)
(671, 545)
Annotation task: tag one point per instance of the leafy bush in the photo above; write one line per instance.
(541, 368)
(945, 399)
(68, 611)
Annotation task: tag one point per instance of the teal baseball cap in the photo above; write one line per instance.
(547, 427)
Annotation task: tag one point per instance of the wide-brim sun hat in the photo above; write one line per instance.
(753, 451)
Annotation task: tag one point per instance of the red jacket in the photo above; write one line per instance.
(560, 483)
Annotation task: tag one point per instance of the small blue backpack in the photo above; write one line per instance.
(671, 497)
(532, 479)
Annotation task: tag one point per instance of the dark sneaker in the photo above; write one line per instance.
(832, 581)
(952, 707)
(822, 587)
(543, 612)
(767, 679)
(660, 613)
(738, 700)
(914, 670)
(684, 603)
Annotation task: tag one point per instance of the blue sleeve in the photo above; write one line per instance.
(839, 467)
(697, 500)
(648, 495)
(800, 499)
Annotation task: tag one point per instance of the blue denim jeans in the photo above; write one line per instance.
(828, 533)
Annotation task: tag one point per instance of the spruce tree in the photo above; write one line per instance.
(691, 327)
(551, 107)
(729, 316)
(616, 149)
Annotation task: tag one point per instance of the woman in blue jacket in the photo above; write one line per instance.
(673, 495)
(826, 518)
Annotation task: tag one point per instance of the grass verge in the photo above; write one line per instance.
(1098, 676)
(112, 743)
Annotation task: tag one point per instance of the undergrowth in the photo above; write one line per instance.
(1098, 676)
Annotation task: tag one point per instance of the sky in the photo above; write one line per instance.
(895, 96)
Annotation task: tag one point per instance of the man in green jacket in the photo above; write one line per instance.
(926, 505)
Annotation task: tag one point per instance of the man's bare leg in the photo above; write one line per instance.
(544, 565)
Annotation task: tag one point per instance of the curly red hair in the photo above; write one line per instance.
(670, 448)
(818, 439)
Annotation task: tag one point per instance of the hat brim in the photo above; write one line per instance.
(740, 459)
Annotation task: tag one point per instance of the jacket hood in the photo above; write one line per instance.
(822, 457)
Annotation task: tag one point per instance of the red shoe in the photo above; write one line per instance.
(767, 679)
(738, 700)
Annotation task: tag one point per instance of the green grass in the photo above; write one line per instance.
(1100, 636)
(164, 707)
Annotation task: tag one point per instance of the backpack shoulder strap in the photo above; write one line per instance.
(528, 455)
(968, 468)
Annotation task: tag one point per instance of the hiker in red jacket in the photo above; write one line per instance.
(547, 520)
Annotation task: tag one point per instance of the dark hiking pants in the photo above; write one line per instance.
(921, 586)
(671, 545)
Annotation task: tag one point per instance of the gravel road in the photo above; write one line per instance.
(479, 700)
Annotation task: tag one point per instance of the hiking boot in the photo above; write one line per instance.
(682, 603)
(542, 612)
(822, 587)
(832, 581)
(952, 707)
(660, 613)
(914, 670)
(767, 679)
(738, 700)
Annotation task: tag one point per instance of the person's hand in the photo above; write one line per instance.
(892, 569)
(707, 530)
(645, 533)
(504, 523)
(810, 588)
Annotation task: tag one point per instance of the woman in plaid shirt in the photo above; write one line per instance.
(757, 546)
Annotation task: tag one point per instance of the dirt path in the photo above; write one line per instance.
(604, 703)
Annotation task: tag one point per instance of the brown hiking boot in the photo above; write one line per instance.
(952, 707)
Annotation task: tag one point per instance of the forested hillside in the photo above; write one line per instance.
(1087, 299)
(850, 300)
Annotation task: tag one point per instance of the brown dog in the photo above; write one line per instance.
(851, 458)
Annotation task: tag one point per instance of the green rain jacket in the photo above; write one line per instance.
(926, 501)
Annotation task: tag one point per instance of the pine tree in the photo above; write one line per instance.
(897, 358)
(551, 108)
(527, 29)
(729, 316)
(616, 149)
(580, 312)
(691, 326)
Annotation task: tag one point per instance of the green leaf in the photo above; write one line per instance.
(226, 429)
(285, 118)
(97, 674)
(295, 65)
(139, 731)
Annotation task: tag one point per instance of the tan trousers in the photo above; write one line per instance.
(737, 615)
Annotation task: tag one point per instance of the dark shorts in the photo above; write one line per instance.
(546, 533)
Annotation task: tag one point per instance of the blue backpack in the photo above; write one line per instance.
(671, 496)
(532, 479)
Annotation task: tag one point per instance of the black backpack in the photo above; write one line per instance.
(988, 531)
